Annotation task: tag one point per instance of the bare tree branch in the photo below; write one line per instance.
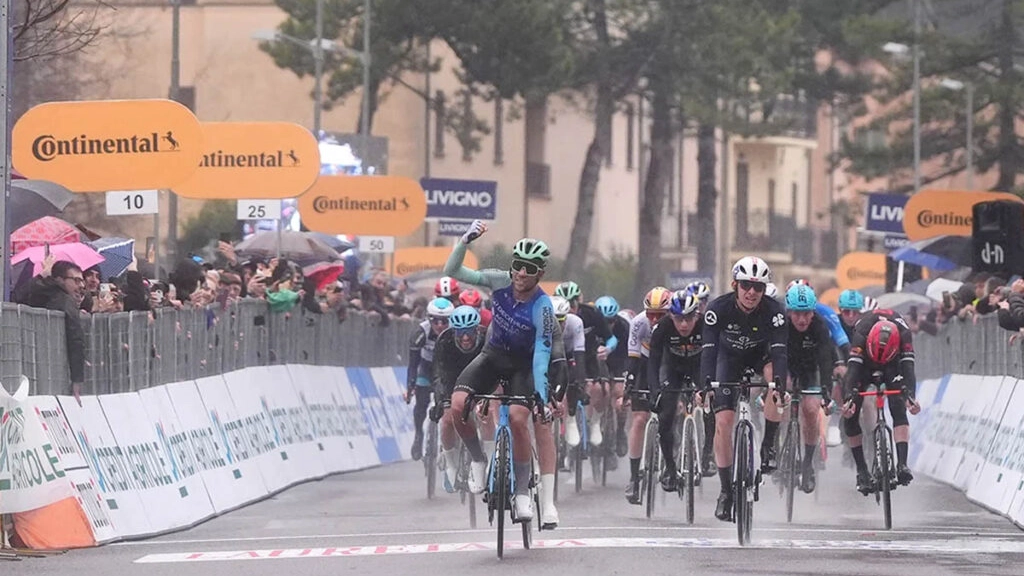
(50, 28)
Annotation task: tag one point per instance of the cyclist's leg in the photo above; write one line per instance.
(724, 406)
(547, 460)
(854, 435)
(597, 399)
(419, 414)
(479, 377)
(667, 414)
(773, 412)
(640, 407)
(810, 427)
(618, 390)
(521, 383)
(900, 430)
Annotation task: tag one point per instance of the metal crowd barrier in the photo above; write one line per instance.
(130, 351)
(981, 348)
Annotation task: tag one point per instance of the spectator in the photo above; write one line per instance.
(186, 278)
(1011, 309)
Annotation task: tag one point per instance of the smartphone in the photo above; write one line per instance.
(225, 237)
(105, 289)
(158, 296)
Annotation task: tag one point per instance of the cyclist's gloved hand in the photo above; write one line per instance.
(436, 412)
(912, 405)
(655, 402)
(476, 229)
(848, 407)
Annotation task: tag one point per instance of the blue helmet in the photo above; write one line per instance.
(607, 306)
(801, 298)
(851, 300)
(684, 303)
(464, 318)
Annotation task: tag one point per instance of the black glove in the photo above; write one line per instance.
(436, 412)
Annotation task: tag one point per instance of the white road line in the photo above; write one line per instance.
(958, 531)
(930, 547)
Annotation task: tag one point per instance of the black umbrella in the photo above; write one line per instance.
(333, 241)
(34, 199)
(299, 247)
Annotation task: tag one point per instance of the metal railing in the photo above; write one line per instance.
(131, 350)
(969, 348)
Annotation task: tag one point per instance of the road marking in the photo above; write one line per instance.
(957, 531)
(930, 547)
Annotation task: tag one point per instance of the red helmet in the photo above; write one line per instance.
(471, 297)
(446, 287)
(883, 342)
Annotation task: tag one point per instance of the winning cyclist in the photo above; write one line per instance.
(656, 305)
(810, 369)
(616, 363)
(743, 329)
(519, 348)
(421, 354)
(456, 347)
(881, 341)
(676, 347)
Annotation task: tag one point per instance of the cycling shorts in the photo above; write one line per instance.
(640, 402)
(490, 366)
(730, 368)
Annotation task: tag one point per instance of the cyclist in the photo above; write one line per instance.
(599, 339)
(743, 329)
(522, 334)
(472, 297)
(656, 305)
(810, 368)
(448, 287)
(881, 341)
(702, 291)
(852, 305)
(835, 325)
(421, 354)
(771, 291)
(456, 347)
(676, 347)
(616, 363)
(575, 349)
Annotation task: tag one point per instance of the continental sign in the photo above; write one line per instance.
(253, 161)
(931, 213)
(409, 261)
(369, 205)
(95, 146)
(857, 270)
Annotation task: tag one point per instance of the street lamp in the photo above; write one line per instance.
(901, 51)
(968, 87)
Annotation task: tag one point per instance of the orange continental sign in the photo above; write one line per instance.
(409, 261)
(548, 286)
(931, 213)
(95, 146)
(369, 205)
(253, 160)
(859, 269)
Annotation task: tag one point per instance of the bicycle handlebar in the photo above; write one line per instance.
(880, 393)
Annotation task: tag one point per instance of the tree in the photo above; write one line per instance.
(44, 29)
(216, 216)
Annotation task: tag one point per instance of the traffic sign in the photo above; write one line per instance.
(132, 202)
(259, 209)
(377, 244)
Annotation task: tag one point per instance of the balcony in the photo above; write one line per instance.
(786, 116)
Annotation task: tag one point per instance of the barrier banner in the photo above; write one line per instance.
(980, 424)
(391, 383)
(233, 436)
(365, 445)
(91, 499)
(328, 416)
(108, 465)
(253, 431)
(997, 481)
(228, 484)
(293, 428)
(372, 402)
(1013, 448)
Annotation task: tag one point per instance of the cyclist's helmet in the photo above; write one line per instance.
(659, 298)
(753, 269)
(870, 304)
(464, 317)
(440, 308)
(684, 303)
(800, 298)
(532, 250)
(561, 306)
(471, 297)
(851, 300)
(771, 290)
(883, 342)
(568, 290)
(699, 289)
(446, 287)
(607, 306)
(797, 282)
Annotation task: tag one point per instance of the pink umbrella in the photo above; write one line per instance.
(80, 254)
(42, 231)
(324, 273)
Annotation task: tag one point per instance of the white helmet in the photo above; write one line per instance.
(771, 290)
(561, 306)
(751, 268)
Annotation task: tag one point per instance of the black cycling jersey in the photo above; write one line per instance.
(421, 354)
(674, 356)
(595, 327)
(753, 338)
(860, 365)
(617, 358)
(849, 331)
(450, 360)
(811, 354)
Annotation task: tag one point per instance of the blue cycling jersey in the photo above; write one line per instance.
(835, 325)
(524, 329)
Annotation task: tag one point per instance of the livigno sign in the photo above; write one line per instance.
(253, 160)
(95, 146)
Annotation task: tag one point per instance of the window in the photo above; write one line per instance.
(499, 113)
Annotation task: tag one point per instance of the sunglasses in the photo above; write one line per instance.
(654, 317)
(463, 332)
(750, 285)
(685, 318)
(439, 321)
(529, 268)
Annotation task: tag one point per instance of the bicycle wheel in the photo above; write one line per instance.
(580, 451)
(689, 464)
(885, 469)
(650, 476)
(556, 429)
(743, 471)
(790, 462)
(678, 455)
(430, 459)
(502, 483)
(608, 428)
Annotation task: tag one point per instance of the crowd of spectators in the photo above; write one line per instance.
(980, 295)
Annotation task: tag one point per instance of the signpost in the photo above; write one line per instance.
(132, 202)
(460, 199)
(259, 210)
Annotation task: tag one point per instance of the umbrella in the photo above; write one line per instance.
(82, 255)
(46, 230)
(117, 253)
(902, 301)
(299, 247)
(918, 286)
(939, 253)
(324, 273)
(339, 244)
(33, 199)
(940, 285)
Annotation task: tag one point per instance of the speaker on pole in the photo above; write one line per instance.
(997, 237)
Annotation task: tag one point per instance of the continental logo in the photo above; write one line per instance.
(927, 219)
(404, 269)
(859, 274)
(48, 147)
(272, 159)
(323, 204)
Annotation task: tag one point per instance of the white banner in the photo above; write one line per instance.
(392, 390)
(31, 475)
(328, 415)
(293, 427)
(94, 504)
(229, 484)
(366, 448)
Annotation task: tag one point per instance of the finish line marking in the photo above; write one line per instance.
(944, 547)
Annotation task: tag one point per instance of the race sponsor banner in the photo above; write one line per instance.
(329, 416)
(108, 465)
(293, 428)
(977, 405)
(92, 501)
(997, 481)
(31, 475)
(392, 390)
(1011, 442)
(365, 442)
(372, 402)
(255, 432)
(229, 483)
